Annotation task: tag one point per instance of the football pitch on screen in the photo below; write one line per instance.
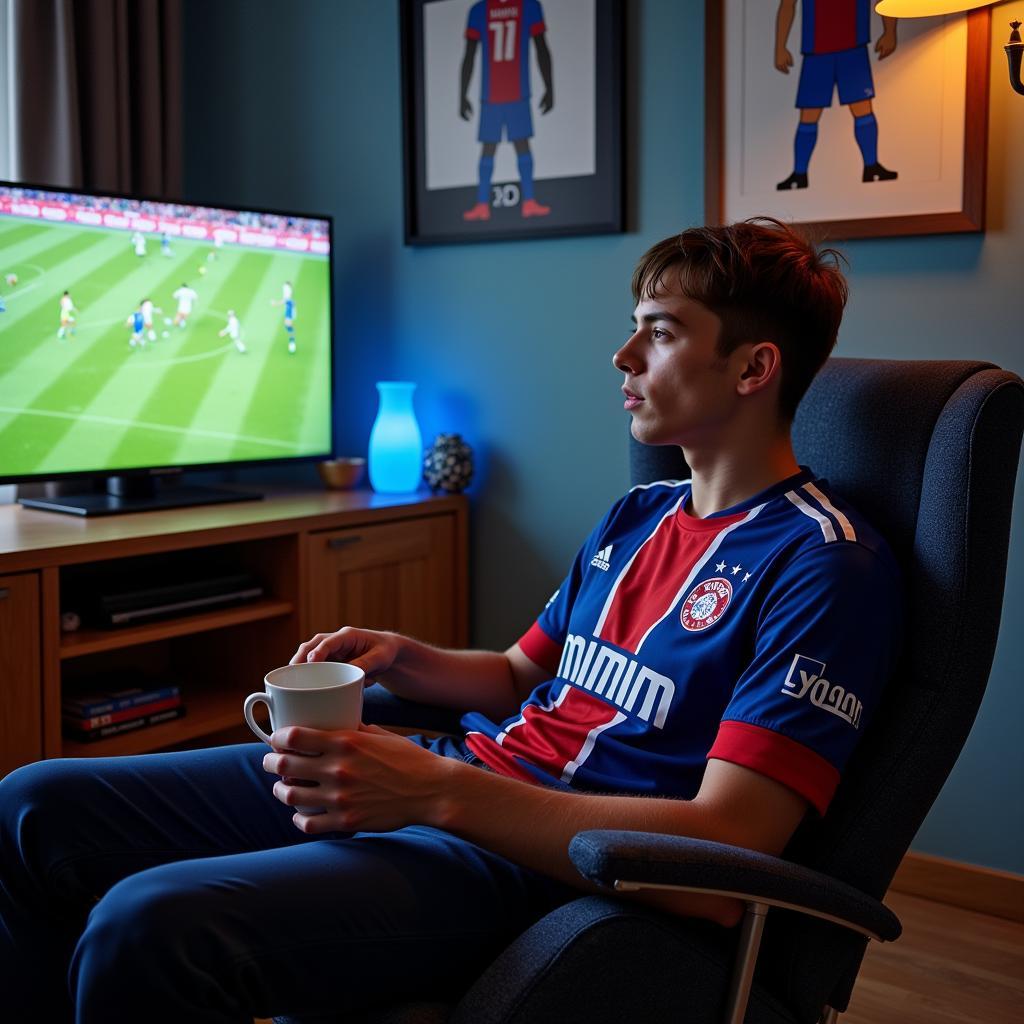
(90, 400)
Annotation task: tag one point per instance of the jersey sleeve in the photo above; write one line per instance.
(542, 642)
(534, 18)
(475, 22)
(826, 642)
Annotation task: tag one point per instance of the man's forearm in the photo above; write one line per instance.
(784, 22)
(533, 826)
(461, 680)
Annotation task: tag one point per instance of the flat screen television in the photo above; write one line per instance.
(140, 338)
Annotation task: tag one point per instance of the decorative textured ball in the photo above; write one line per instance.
(448, 464)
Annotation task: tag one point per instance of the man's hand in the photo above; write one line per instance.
(887, 40)
(368, 780)
(783, 59)
(369, 649)
(465, 109)
(547, 101)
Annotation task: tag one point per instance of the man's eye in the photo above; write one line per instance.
(658, 333)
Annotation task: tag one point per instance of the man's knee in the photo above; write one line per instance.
(28, 796)
(140, 919)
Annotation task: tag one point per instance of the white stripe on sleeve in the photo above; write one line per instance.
(848, 531)
(828, 531)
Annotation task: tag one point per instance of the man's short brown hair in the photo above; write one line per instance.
(765, 283)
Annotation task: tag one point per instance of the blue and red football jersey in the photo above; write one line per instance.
(829, 26)
(761, 635)
(505, 28)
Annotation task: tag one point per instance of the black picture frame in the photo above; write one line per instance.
(584, 195)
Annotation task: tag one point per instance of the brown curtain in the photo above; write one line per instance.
(97, 94)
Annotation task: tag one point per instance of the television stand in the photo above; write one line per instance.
(387, 562)
(134, 494)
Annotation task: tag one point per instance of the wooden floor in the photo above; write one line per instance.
(950, 966)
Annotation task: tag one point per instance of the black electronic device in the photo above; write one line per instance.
(132, 607)
(144, 589)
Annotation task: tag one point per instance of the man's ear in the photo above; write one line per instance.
(763, 368)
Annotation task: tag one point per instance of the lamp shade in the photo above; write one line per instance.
(926, 8)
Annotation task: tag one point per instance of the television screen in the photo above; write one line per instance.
(137, 334)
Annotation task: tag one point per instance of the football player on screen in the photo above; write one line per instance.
(184, 296)
(233, 329)
(288, 302)
(67, 320)
(505, 30)
(135, 322)
(148, 309)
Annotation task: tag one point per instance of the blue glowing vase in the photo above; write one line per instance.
(396, 446)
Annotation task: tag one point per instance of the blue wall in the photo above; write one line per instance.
(305, 113)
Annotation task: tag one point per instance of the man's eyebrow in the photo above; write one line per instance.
(658, 314)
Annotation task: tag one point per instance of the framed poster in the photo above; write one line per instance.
(512, 116)
(828, 115)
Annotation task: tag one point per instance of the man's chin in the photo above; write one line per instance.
(646, 435)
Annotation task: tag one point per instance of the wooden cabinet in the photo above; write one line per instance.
(399, 576)
(323, 559)
(20, 690)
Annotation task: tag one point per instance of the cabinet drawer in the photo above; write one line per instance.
(21, 721)
(392, 576)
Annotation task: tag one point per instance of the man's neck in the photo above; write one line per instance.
(722, 479)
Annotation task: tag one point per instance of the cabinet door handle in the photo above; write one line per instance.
(334, 543)
(4, 592)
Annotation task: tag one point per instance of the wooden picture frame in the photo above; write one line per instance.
(556, 166)
(746, 153)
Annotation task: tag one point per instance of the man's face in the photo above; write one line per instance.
(678, 389)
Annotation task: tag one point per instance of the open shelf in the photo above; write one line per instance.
(321, 559)
(92, 641)
(205, 712)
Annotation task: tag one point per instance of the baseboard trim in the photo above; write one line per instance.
(985, 890)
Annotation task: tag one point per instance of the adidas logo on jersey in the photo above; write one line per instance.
(602, 560)
(806, 678)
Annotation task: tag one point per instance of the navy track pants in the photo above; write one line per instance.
(173, 886)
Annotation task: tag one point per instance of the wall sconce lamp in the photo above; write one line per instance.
(927, 8)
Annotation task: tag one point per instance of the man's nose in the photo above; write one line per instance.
(626, 358)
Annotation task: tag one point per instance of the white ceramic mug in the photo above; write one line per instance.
(318, 695)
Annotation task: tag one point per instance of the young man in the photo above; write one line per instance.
(705, 669)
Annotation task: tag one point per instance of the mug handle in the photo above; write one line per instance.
(250, 701)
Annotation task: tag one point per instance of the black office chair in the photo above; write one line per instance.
(927, 451)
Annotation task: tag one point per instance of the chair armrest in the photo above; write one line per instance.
(628, 861)
(381, 707)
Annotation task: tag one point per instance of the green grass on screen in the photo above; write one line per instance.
(92, 402)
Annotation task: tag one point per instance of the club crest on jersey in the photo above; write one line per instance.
(706, 604)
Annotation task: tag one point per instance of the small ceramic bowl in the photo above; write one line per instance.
(341, 474)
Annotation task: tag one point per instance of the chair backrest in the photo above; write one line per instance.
(927, 451)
